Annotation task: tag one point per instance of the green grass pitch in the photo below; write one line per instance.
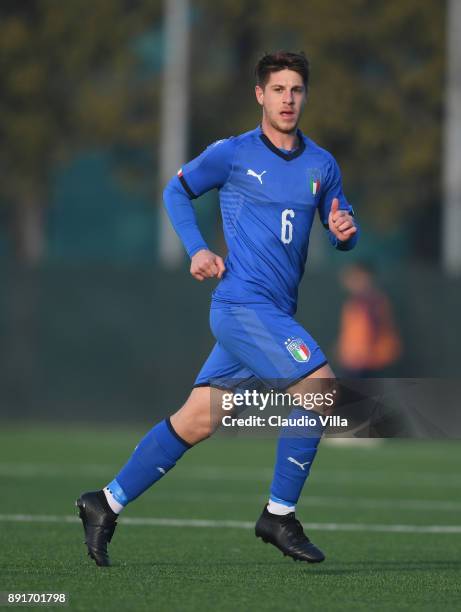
(356, 496)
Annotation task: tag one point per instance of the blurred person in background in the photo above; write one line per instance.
(272, 181)
(368, 341)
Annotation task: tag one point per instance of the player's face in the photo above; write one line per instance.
(282, 99)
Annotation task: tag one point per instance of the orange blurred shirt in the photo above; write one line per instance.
(367, 337)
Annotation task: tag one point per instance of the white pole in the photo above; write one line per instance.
(451, 230)
(174, 116)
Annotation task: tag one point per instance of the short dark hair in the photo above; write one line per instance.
(274, 62)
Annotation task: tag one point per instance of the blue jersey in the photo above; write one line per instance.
(268, 202)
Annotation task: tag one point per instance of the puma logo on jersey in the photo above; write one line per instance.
(258, 176)
(161, 470)
(301, 465)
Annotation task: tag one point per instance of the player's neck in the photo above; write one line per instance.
(281, 140)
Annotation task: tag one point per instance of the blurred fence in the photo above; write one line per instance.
(88, 342)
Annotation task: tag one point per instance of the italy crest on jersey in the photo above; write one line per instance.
(298, 349)
(314, 181)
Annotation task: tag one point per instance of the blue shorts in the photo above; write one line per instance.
(258, 341)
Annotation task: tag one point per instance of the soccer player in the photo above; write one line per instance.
(271, 182)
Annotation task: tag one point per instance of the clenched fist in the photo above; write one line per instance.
(205, 264)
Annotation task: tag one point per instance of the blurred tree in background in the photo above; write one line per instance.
(376, 99)
(68, 82)
(72, 78)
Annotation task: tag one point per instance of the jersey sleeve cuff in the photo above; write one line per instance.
(191, 252)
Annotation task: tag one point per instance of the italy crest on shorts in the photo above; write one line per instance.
(298, 349)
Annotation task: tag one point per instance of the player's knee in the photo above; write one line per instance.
(202, 426)
(320, 391)
(206, 431)
(191, 430)
(193, 422)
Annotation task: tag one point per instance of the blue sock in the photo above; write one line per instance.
(154, 456)
(296, 450)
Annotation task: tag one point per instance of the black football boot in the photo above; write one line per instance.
(286, 533)
(99, 524)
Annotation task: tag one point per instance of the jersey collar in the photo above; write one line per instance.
(286, 156)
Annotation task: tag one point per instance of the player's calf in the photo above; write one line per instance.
(296, 452)
(154, 456)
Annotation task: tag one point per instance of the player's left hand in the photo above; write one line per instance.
(340, 222)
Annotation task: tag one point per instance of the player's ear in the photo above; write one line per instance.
(259, 94)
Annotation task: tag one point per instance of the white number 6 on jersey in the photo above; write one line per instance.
(287, 226)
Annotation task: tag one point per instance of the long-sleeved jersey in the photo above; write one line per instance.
(268, 202)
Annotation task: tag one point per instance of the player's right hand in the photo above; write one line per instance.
(205, 264)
